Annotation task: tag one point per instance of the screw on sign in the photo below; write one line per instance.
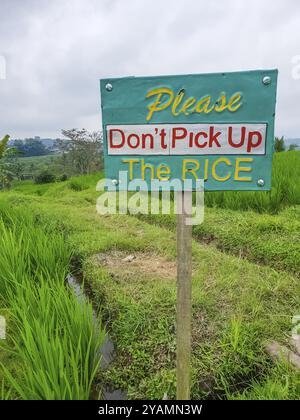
(216, 127)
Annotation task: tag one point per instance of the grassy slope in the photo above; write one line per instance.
(237, 305)
(262, 238)
(37, 164)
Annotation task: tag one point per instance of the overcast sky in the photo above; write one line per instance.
(56, 51)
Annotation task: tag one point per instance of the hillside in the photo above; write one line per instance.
(246, 290)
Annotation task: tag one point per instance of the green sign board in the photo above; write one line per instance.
(218, 127)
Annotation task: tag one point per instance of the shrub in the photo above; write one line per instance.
(75, 185)
(63, 177)
(44, 177)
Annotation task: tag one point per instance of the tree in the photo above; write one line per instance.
(18, 168)
(3, 146)
(44, 177)
(293, 147)
(6, 174)
(82, 150)
(279, 145)
(31, 147)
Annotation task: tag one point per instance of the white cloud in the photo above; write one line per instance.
(57, 50)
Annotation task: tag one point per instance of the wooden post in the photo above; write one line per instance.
(184, 294)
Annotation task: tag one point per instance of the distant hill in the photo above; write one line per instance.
(47, 142)
(35, 146)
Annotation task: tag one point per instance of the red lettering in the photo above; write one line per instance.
(162, 138)
(250, 143)
(136, 137)
(197, 136)
(176, 136)
(116, 146)
(213, 138)
(242, 139)
(144, 137)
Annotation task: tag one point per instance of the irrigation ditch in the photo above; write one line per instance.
(107, 351)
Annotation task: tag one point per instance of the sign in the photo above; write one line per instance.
(217, 127)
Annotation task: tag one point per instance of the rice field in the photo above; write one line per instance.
(53, 338)
(285, 189)
(246, 266)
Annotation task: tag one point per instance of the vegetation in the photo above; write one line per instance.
(79, 153)
(246, 267)
(285, 183)
(264, 239)
(285, 189)
(293, 147)
(6, 174)
(44, 177)
(31, 147)
(279, 145)
(54, 340)
(237, 305)
(82, 150)
(29, 167)
(3, 146)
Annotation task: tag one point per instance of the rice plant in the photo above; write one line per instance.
(285, 189)
(55, 337)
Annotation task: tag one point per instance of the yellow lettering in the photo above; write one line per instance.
(239, 169)
(131, 162)
(163, 170)
(206, 170)
(186, 169)
(203, 105)
(188, 103)
(221, 103)
(214, 173)
(145, 166)
(157, 105)
(176, 102)
(235, 100)
(165, 97)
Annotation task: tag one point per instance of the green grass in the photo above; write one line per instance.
(237, 307)
(38, 160)
(281, 384)
(272, 239)
(59, 189)
(262, 238)
(285, 186)
(285, 189)
(54, 339)
(35, 164)
(238, 303)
